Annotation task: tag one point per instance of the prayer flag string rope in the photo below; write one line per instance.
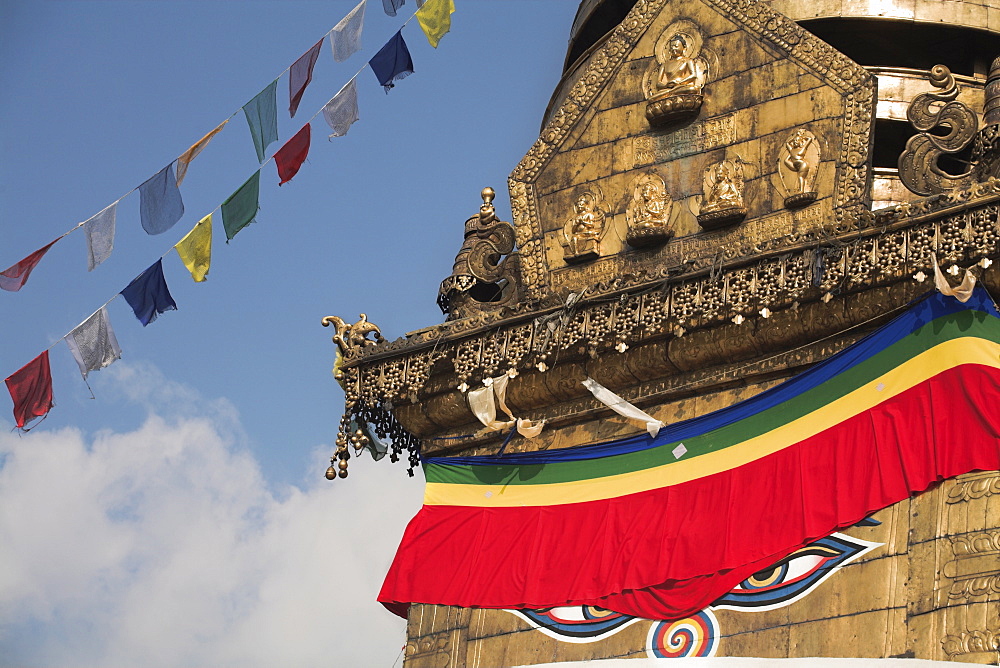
(92, 342)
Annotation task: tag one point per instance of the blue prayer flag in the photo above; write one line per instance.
(160, 204)
(392, 6)
(392, 62)
(262, 117)
(148, 294)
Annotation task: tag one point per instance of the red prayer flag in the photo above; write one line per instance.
(290, 157)
(299, 76)
(31, 389)
(14, 278)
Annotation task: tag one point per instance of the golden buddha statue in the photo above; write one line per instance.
(675, 91)
(648, 212)
(584, 229)
(679, 74)
(722, 203)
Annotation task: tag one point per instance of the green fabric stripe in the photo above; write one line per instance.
(952, 326)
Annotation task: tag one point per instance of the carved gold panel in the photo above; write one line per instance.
(765, 85)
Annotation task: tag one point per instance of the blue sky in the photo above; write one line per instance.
(180, 518)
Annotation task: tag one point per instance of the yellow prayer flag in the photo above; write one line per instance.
(435, 19)
(195, 249)
(192, 153)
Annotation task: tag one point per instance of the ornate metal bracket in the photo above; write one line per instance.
(482, 278)
(918, 168)
(352, 338)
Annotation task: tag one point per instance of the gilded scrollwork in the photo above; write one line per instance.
(648, 211)
(979, 641)
(918, 164)
(974, 486)
(486, 273)
(352, 339)
(975, 570)
(892, 247)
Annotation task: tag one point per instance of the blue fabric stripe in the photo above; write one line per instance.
(925, 309)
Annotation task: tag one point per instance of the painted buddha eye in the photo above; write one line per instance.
(577, 623)
(794, 576)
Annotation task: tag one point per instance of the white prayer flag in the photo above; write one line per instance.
(100, 233)
(345, 38)
(342, 111)
(93, 343)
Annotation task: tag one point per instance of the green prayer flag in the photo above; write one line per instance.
(239, 210)
(262, 117)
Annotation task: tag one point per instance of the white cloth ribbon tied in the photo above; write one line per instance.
(622, 407)
(484, 401)
(961, 292)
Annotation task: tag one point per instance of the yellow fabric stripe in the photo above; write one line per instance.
(944, 356)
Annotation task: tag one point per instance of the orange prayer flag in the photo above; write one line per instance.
(196, 148)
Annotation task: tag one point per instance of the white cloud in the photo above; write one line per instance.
(164, 546)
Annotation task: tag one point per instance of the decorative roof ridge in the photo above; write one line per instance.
(866, 225)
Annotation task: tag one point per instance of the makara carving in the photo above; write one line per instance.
(918, 164)
(351, 339)
(648, 212)
(583, 230)
(722, 201)
(482, 278)
(674, 86)
(797, 167)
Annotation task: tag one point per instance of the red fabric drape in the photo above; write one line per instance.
(669, 552)
(13, 278)
(31, 389)
(290, 157)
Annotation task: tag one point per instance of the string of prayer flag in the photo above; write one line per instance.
(14, 277)
(93, 343)
(299, 76)
(290, 157)
(160, 203)
(345, 38)
(31, 389)
(262, 117)
(392, 62)
(196, 148)
(100, 233)
(148, 294)
(342, 111)
(392, 6)
(239, 210)
(195, 249)
(434, 18)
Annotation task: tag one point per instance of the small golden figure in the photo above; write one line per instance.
(797, 168)
(584, 229)
(723, 200)
(648, 212)
(675, 92)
